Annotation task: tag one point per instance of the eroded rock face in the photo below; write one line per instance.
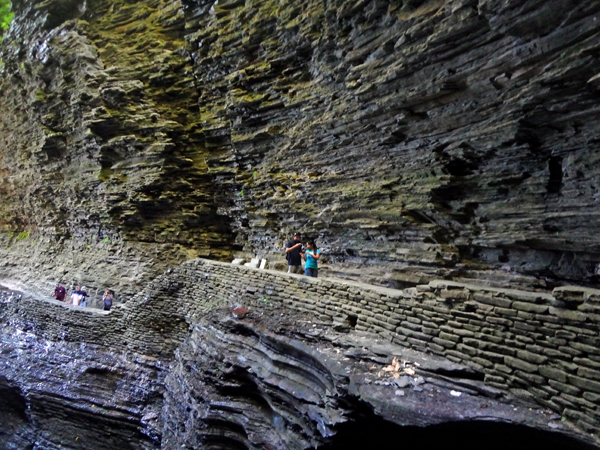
(413, 139)
(274, 379)
(277, 380)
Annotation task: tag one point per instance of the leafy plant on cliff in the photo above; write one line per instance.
(6, 16)
(23, 235)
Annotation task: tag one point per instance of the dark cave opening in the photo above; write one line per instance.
(371, 431)
(556, 176)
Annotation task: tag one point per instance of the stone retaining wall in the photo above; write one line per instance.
(540, 346)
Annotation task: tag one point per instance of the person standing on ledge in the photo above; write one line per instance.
(107, 298)
(293, 249)
(76, 296)
(311, 255)
(60, 292)
(84, 294)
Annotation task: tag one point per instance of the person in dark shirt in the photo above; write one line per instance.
(108, 300)
(293, 250)
(84, 296)
(60, 292)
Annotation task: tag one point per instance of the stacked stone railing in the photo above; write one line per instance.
(536, 345)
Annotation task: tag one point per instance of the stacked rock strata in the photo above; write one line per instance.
(415, 139)
(537, 347)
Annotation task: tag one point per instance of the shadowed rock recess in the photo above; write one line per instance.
(447, 149)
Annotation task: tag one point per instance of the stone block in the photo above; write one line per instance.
(584, 348)
(579, 401)
(503, 369)
(449, 337)
(506, 312)
(584, 383)
(517, 363)
(530, 307)
(530, 378)
(493, 301)
(436, 348)
(553, 373)
(538, 393)
(430, 331)
(413, 334)
(535, 358)
(556, 354)
(588, 363)
(444, 343)
(466, 349)
(572, 316)
(467, 317)
(577, 415)
(564, 387)
(418, 344)
(570, 350)
(499, 321)
(556, 342)
(493, 357)
(410, 325)
(524, 326)
(474, 326)
(590, 396)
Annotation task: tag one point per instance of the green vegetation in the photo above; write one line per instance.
(266, 300)
(6, 16)
(23, 235)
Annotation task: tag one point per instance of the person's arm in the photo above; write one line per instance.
(289, 249)
(316, 254)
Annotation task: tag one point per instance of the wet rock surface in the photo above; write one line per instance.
(56, 394)
(415, 140)
(270, 379)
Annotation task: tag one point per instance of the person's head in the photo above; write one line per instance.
(297, 237)
(107, 291)
(311, 245)
(78, 288)
(83, 288)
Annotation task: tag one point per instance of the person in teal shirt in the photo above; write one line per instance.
(311, 256)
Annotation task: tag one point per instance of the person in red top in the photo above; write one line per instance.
(60, 292)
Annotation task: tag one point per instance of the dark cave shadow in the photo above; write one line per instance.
(372, 432)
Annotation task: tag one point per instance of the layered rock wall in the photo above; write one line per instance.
(540, 347)
(414, 139)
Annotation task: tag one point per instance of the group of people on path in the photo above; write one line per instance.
(79, 295)
(294, 253)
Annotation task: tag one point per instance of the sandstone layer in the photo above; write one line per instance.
(413, 139)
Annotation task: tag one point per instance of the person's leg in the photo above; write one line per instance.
(311, 272)
(290, 269)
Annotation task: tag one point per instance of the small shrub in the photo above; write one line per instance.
(6, 16)
(23, 235)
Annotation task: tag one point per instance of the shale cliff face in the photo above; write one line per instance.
(452, 138)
